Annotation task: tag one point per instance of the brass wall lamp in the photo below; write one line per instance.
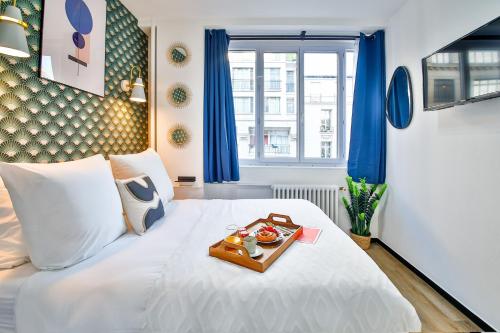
(138, 95)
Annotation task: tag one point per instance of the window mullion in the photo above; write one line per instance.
(260, 104)
(341, 106)
(300, 110)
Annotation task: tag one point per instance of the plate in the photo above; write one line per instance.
(258, 252)
(279, 238)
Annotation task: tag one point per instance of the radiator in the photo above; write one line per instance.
(323, 196)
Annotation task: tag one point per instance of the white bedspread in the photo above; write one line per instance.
(165, 281)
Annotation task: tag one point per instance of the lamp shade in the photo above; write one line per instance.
(138, 95)
(12, 35)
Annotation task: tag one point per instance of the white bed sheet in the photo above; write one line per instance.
(165, 281)
(10, 284)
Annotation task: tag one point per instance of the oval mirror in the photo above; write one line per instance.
(399, 103)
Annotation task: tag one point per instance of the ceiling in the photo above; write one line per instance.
(260, 9)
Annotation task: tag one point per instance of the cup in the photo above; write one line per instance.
(250, 243)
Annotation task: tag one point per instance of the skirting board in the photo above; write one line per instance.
(478, 321)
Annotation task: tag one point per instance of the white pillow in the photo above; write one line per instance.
(146, 163)
(68, 211)
(141, 202)
(12, 248)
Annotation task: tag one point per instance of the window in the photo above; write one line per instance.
(484, 57)
(272, 75)
(444, 90)
(290, 81)
(482, 87)
(326, 120)
(301, 101)
(277, 141)
(242, 79)
(326, 149)
(290, 105)
(444, 58)
(272, 105)
(243, 104)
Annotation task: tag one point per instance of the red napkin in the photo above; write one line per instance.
(309, 235)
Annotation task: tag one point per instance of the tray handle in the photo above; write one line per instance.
(285, 217)
(243, 249)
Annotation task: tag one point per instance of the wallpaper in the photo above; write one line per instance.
(44, 121)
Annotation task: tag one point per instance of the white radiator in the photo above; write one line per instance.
(324, 196)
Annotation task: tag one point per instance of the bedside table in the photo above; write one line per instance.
(188, 192)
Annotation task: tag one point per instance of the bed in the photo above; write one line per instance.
(165, 281)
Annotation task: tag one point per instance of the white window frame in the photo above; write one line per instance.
(300, 47)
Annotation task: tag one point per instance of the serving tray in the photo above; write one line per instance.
(238, 254)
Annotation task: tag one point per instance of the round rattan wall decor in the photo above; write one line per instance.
(179, 95)
(179, 136)
(178, 54)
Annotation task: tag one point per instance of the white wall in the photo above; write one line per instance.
(189, 161)
(441, 212)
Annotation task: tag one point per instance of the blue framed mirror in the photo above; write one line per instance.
(399, 102)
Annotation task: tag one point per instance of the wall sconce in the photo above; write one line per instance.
(138, 95)
(12, 35)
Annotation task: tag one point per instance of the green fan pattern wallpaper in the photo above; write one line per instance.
(44, 121)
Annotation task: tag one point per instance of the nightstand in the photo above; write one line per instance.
(188, 192)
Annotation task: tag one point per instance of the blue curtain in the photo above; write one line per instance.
(368, 129)
(220, 150)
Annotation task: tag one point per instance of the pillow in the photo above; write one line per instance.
(146, 163)
(68, 211)
(141, 202)
(12, 249)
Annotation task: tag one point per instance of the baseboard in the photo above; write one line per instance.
(474, 318)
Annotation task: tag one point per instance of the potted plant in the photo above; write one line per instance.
(364, 200)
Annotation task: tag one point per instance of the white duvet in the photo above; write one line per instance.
(165, 281)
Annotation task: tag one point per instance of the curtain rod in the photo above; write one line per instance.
(302, 36)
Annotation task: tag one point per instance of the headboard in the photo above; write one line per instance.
(45, 121)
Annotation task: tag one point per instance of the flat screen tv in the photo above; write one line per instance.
(465, 71)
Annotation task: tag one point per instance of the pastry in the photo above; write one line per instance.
(266, 236)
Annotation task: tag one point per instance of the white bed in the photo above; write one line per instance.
(165, 281)
(10, 283)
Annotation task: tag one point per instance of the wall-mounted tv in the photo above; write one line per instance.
(467, 70)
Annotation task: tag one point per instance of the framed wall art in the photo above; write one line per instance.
(73, 43)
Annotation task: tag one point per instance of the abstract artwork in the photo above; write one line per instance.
(73, 43)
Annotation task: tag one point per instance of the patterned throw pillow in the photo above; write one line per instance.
(141, 202)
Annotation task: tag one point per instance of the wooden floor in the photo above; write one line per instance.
(436, 314)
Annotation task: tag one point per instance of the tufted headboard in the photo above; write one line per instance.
(45, 121)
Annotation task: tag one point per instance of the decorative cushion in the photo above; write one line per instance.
(141, 202)
(146, 163)
(12, 248)
(68, 211)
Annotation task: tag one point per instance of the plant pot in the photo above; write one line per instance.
(362, 241)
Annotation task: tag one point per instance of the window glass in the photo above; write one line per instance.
(280, 127)
(243, 104)
(243, 81)
(290, 105)
(320, 105)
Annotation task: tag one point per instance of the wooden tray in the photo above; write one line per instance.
(238, 254)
